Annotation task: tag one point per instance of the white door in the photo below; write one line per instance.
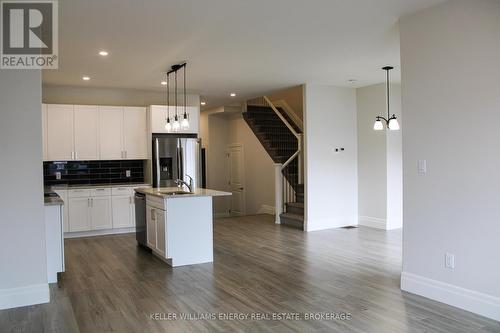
(121, 211)
(86, 120)
(101, 213)
(44, 131)
(151, 227)
(60, 132)
(111, 132)
(78, 212)
(135, 133)
(236, 178)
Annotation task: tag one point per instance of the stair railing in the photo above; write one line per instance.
(284, 191)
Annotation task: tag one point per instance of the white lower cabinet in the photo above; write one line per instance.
(156, 223)
(122, 217)
(98, 208)
(79, 214)
(100, 213)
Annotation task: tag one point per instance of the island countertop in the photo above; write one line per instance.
(163, 192)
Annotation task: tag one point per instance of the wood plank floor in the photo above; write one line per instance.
(111, 285)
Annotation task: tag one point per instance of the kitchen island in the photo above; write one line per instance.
(179, 224)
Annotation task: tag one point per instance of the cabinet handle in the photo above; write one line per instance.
(72, 155)
(130, 200)
(88, 202)
(125, 153)
(76, 155)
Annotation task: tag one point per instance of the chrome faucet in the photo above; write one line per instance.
(189, 185)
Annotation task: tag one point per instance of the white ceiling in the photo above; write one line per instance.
(249, 47)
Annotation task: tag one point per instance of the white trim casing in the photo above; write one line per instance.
(24, 296)
(470, 300)
(103, 232)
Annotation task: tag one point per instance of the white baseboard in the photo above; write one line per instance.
(470, 300)
(329, 223)
(24, 296)
(103, 232)
(372, 222)
(266, 209)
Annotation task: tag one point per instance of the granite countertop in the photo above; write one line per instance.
(70, 187)
(162, 192)
(50, 198)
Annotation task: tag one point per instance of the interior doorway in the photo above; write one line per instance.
(236, 178)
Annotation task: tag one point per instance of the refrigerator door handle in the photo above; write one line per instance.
(157, 162)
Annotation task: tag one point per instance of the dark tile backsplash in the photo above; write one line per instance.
(93, 172)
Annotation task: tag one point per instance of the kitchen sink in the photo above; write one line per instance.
(175, 192)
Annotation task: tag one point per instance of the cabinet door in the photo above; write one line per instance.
(151, 226)
(101, 213)
(135, 133)
(160, 232)
(44, 131)
(158, 116)
(132, 211)
(60, 132)
(111, 132)
(193, 117)
(86, 120)
(121, 212)
(78, 211)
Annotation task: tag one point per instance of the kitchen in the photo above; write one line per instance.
(119, 169)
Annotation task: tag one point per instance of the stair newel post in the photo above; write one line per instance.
(278, 191)
(301, 158)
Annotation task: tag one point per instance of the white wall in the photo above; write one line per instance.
(53, 94)
(331, 184)
(221, 127)
(23, 265)
(379, 159)
(451, 103)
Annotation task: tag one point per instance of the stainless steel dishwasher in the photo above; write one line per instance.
(140, 219)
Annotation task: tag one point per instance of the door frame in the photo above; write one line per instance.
(228, 176)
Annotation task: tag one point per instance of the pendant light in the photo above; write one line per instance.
(185, 120)
(391, 121)
(176, 126)
(168, 124)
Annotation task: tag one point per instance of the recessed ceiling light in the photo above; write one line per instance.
(203, 103)
(232, 95)
(164, 83)
(103, 53)
(86, 78)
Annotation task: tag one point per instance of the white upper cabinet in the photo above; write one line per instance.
(90, 132)
(135, 133)
(158, 116)
(86, 132)
(111, 132)
(60, 132)
(44, 131)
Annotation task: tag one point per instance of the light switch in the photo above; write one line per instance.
(422, 167)
(127, 173)
(58, 175)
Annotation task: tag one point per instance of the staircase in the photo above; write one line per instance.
(281, 138)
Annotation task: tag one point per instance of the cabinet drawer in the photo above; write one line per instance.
(121, 191)
(79, 193)
(100, 192)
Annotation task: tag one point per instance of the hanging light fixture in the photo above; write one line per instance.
(185, 120)
(168, 124)
(176, 123)
(391, 121)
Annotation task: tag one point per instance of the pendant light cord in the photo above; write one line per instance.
(175, 73)
(168, 98)
(185, 99)
(388, 98)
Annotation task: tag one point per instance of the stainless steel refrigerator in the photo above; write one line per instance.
(176, 156)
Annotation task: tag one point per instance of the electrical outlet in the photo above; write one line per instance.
(127, 173)
(58, 175)
(449, 261)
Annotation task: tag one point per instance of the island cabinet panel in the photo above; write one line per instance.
(79, 214)
(151, 226)
(161, 233)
